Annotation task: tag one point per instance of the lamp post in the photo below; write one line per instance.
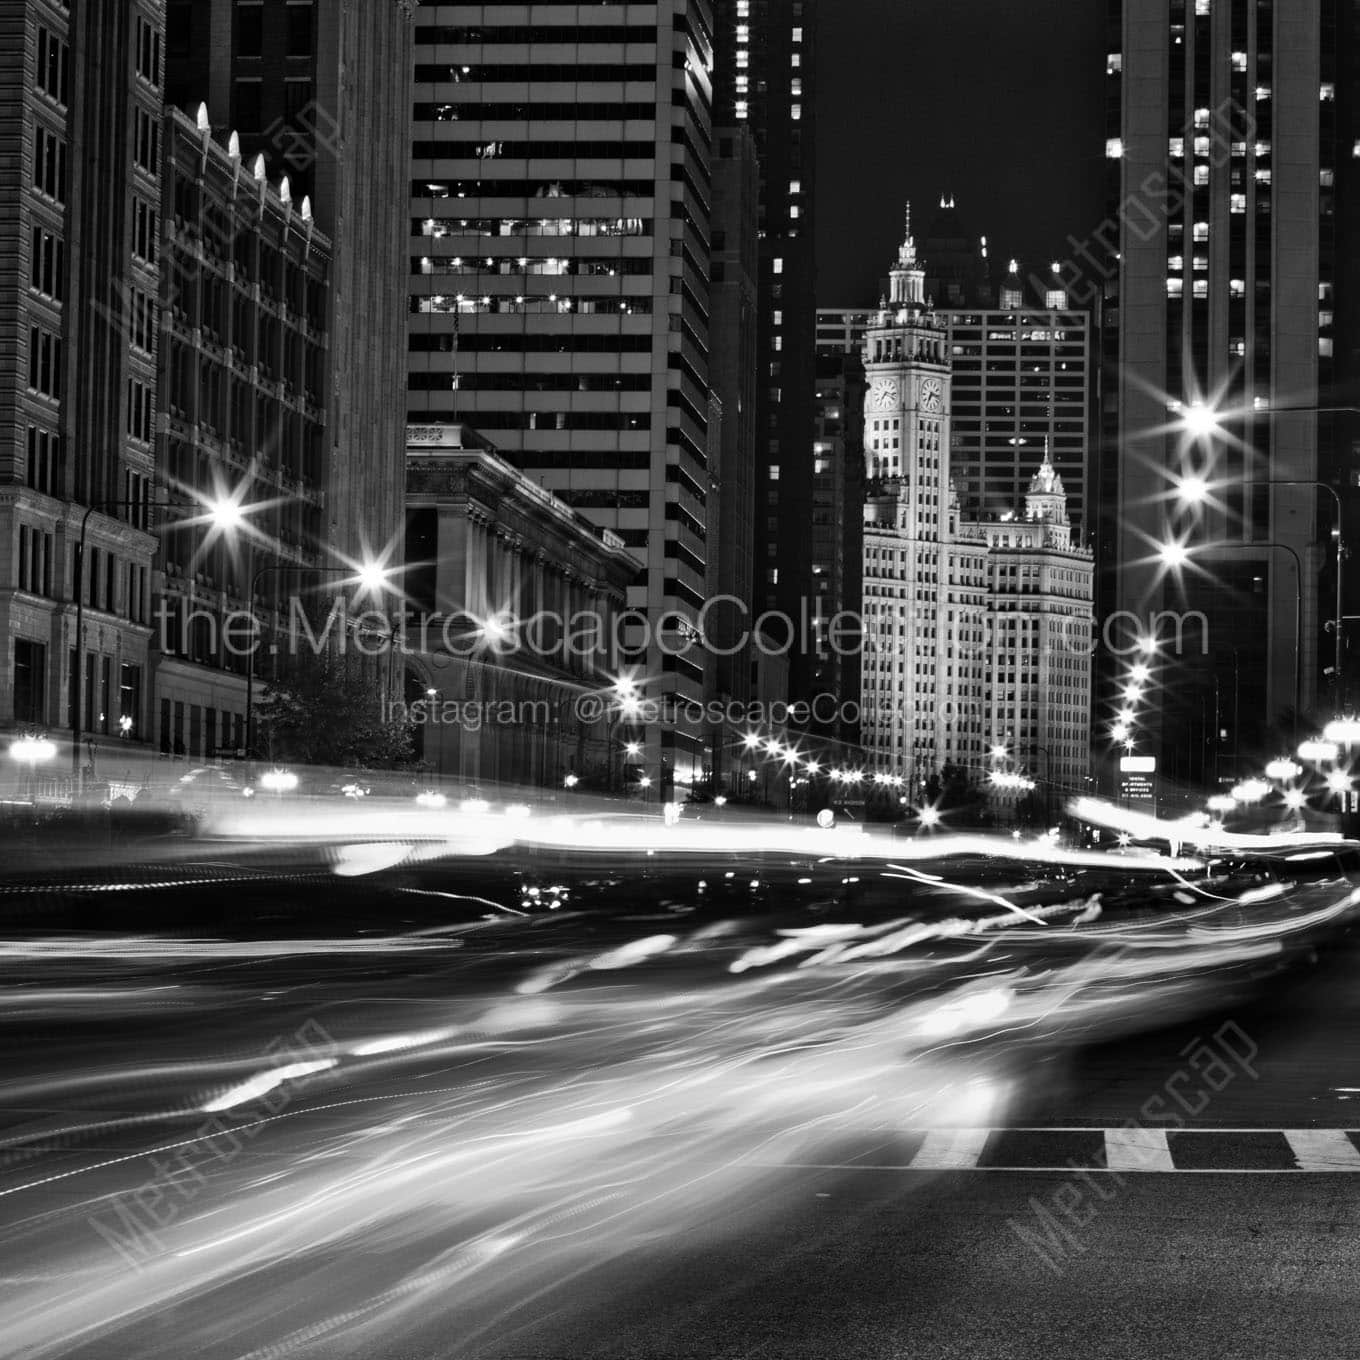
(1203, 421)
(1177, 555)
(225, 514)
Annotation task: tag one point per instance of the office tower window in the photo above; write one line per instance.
(130, 701)
(300, 28)
(30, 681)
(146, 150)
(250, 28)
(49, 164)
(47, 264)
(148, 52)
(44, 362)
(53, 66)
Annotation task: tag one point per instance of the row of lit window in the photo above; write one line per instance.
(608, 268)
(441, 304)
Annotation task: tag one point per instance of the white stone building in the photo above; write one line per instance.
(977, 633)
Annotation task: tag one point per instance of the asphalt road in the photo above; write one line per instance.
(499, 1172)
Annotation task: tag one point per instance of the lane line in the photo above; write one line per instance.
(950, 1150)
(1323, 1150)
(1137, 1149)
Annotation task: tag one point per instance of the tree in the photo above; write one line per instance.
(330, 710)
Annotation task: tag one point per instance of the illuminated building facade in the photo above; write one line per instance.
(1229, 286)
(243, 365)
(559, 279)
(925, 588)
(977, 630)
(80, 171)
(1040, 586)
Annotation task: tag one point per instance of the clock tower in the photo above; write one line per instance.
(924, 587)
(906, 435)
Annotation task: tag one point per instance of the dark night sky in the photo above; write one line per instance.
(999, 102)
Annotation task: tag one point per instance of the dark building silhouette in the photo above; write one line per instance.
(956, 262)
(765, 79)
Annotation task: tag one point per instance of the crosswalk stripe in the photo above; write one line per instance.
(950, 1150)
(1136, 1149)
(1323, 1150)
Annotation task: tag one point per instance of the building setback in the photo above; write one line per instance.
(976, 632)
(559, 258)
(245, 277)
(321, 89)
(80, 179)
(1222, 288)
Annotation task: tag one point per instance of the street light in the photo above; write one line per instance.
(1202, 421)
(225, 514)
(1318, 752)
(1283, 769)
(1343, 731)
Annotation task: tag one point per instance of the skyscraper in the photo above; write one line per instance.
(79, 239)
(766, 80)
(321, 88)
(560, 219)
(1230, 159)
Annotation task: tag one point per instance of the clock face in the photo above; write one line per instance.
(884, 395)
(931, 394)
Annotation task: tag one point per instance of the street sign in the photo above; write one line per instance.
(1138, 783)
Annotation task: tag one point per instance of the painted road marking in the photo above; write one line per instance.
(1137, 1149)
(1323, 1150)
(951, 1150)
(1208, 1152)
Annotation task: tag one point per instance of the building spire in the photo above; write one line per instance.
(907, 277)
